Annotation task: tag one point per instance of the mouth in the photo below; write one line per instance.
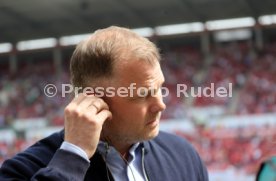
(153, 122)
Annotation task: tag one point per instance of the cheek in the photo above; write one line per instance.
(126, 110)
(139, 113)
(132, 115)
(115, 105)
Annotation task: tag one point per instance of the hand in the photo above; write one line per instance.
(84, 118)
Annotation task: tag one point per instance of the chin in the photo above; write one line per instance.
(152, 134)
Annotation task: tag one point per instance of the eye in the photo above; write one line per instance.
(143, 95)
(143, 92)
(156, 91)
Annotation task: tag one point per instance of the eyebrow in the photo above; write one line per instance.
(149, 89)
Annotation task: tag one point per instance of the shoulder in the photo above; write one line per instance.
(178, 154)
(173, 146)
(165, 136)
(168, 140)
(46, 146)
(34, 157)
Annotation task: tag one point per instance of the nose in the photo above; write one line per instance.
(157, 104)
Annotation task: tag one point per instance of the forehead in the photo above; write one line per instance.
(141, 72)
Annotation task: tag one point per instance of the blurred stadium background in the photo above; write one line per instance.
(202, 42)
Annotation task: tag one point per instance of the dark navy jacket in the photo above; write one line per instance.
(167, 158)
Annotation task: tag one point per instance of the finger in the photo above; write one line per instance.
(103, 116)
(87, 102)
(82, 102)
(99, 104)
(78, 98)
(74, 103)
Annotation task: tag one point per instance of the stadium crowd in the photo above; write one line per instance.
(253, 75)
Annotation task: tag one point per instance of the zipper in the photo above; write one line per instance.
(106, 166)
(143, 164)
(106, 147)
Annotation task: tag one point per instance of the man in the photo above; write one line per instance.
(112, 136)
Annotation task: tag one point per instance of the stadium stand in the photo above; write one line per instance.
(253, 77)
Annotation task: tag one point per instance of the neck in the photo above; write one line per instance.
(123, 150)
(121, 146)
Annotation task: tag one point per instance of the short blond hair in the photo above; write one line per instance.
(95, 57)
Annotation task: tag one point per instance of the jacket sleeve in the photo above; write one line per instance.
(45, 161)
(64, 165)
